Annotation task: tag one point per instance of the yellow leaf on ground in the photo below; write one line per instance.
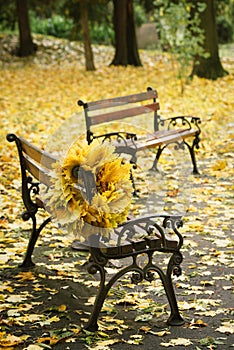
(226, 327)
(62, 307)
(177, 342)
(9, 340)
(33, 347)
(219, 165)
(197, 324)
(25, 276)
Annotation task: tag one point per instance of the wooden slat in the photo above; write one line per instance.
(41, 157)
(166, 139)
(124, 113)
(161, 133)
(157, 139)
(119, 101)
(38, 172)
(166, 132)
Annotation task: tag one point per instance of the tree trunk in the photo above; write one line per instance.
(120, 28)
(210, 67)
(27, 47)
(126, 50)
(133, 55)
(89, 62)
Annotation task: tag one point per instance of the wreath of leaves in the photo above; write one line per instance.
(91, 191)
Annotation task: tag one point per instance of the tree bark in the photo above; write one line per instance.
(209, 67)
(27, 47)
(126, 50)
(133, 55)
(89, 61)
(120, 28)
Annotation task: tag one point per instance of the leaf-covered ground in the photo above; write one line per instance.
(45, 307)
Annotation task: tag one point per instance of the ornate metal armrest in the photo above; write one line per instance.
(123, 141)
(148, 227)
(182, 121)
(120, 136)
(141, 235)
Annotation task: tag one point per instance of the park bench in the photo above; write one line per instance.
(181, 130)
(157, 234)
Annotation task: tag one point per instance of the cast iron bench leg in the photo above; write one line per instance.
(156, 159)
(175, 318)
(173, 267)
(27, 263)
(104, 288)
(192, 154)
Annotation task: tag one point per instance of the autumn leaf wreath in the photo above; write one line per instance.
(91, 191)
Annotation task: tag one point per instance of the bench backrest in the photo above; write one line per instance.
(37, 162)
(98, 112)
(35, 167)
(33, 161)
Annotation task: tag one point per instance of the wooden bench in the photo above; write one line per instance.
(181, 130)
(159, 235)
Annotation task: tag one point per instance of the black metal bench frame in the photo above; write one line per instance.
(180, 130)
(35, 166)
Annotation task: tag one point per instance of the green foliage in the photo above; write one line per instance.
(139, 14)
(57, 26)
(101, 22)
(225, 20)
(225, 8)
(42, 8)
(225, 30)
(180, 33)
(8, 18)
(102, 33)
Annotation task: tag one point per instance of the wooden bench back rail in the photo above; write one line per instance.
(159, 235)
(150, 94)
(32, 159)
(104, 116)
(124, 113)
(176, 130)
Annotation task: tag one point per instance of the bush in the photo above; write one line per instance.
(225, 30)
(102, 34)
(57, 26)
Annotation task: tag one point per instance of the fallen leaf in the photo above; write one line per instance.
(197, 324)
(8, 340)
(219, 165)
(177, 342)
(25, 276)
(226, 327)
(207, 283)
